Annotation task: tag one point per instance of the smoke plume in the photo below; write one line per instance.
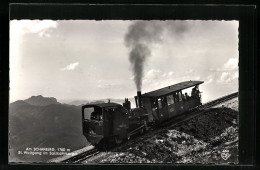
(142, 35)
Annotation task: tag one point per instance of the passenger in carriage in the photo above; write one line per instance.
(195, 91)
(176, 97)
(187, 97)
(164, 101)
(184, 97)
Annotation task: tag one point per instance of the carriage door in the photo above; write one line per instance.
(171, 105)
(163, 108)
(179, 105)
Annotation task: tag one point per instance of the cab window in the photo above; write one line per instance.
(93, 113)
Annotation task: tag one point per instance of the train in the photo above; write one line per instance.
(112, 122)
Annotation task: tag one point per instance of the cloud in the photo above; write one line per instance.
(156, 78)
(18, 28)
(227, 77)
(189, 71)
(109, 86)
(21, 27)
(153, 75)
(230, 65)
(197, 78)
(222, 77)
(227, 73)
(235, 76)
(170, 73)
(70, 67)
(209, 79)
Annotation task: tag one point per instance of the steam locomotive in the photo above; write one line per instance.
(114, 122)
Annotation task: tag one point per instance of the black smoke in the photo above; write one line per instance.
(142, 35)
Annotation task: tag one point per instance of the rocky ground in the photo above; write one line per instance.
(208, 138)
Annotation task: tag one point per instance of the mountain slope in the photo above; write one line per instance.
(44, 125)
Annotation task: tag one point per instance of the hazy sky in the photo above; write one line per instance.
(88, 59)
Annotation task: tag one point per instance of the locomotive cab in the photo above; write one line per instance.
(92, 121)
(111, 122)
(104, 122)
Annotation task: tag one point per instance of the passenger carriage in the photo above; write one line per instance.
(170, 101)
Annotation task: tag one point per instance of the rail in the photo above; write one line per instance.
(219, 100)
(81, 157)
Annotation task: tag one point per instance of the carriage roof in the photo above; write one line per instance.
(172, 88)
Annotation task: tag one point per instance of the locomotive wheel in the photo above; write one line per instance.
(118, 140)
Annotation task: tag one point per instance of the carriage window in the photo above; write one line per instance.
(154, 105)
(179, 95)
(93, 113)
(176, 97)
(170, 99)
(187, 91)
(160, 103)
(164, 101)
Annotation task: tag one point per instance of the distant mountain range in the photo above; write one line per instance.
(82, 102)
(41, 101)
(44, 122)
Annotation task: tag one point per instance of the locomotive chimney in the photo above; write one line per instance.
(139, 98)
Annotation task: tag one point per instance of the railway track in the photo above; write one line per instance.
(81, 157)
(175, 121)
(219, 100)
